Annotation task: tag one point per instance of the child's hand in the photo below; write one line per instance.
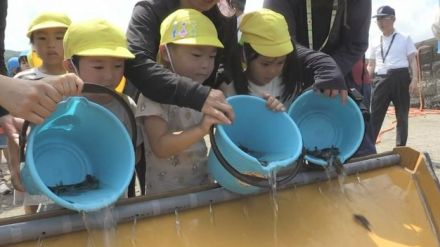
(273, 103)
(207, 122)
(66, 85)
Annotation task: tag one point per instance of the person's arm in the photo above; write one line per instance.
(164, 143)
(321, 71)
(35, 100)
(3, 111)
(353, 35)
(158, 83)
(412, 58)
(370, 68)
(152, 79)
(411, 52)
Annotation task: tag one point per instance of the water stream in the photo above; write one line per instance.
(133, 231)
(101, 223)
(178, 230)
(211, 213)
(40, 241)
(273, 194)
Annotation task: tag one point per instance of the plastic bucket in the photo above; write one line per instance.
(81, 139)
(325, 122)
(259, 143)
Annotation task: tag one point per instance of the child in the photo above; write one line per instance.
(23, 60)
(46, 34)
(176, 153)
(96, 51)
(13, 66)
(272, 65)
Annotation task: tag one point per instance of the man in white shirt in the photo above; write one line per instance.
(391, 58)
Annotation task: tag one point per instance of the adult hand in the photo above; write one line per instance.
(413, 85)
(207, 122)
(35, 100)
(217, 107)
(334, 92)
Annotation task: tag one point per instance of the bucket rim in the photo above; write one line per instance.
(357, 118)
(43, 188)
(288, 161)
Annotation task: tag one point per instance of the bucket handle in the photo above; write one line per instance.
(248, 179)
(88, 88)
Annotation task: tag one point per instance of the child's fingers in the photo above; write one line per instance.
(266, 96)
(270, 101)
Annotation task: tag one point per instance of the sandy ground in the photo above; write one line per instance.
(424, 136)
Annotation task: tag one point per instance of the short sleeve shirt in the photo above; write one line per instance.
(397, 57)
(119, 111)
(186, 169)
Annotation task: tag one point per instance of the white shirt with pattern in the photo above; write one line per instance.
(183, 170)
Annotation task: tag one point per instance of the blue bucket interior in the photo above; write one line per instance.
(258, 135)
(80, 138)
(325, 122)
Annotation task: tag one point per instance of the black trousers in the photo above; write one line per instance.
(3, 13)
(392, 87)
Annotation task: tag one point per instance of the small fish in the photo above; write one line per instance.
(336, 163)
(360, 219)
(255, 154)
(89, 183)
(331, 156)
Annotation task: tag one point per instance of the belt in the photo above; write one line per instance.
(393, 71)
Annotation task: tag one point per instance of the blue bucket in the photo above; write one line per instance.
(260, 142)
(79, 141)
(325, 122)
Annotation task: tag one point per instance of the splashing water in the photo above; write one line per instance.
(102, 222)
(90, 238)
(133, 231)
(40, 241)
(211, 213)
(273, 191)
(358, 178)
(178, 230)
(273, 194)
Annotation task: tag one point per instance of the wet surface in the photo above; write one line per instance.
(386, 201)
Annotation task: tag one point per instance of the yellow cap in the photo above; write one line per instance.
(48, 20)
(188, 27)
(267, 33)
(95, 38)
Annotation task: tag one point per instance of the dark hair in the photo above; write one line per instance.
(289, 76)
(230, 69)
(22, 58)
(75, 61)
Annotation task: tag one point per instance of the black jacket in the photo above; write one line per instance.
(156, 82)
(3, 111)
(3, 13)
(348, 39)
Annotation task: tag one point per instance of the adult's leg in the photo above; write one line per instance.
(380, 101)
(3, 13)
(401, 100)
